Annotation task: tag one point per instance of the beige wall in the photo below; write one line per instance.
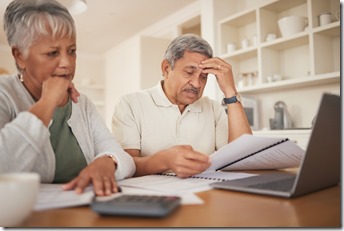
(6, 59)
(122, 75)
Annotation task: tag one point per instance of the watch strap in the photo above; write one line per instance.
(230, 100)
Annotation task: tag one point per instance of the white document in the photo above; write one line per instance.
(250, 152)
(53, 196)
(186, 198)
(173, 184)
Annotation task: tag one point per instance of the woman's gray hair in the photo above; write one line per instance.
(187, 42)
(25, 21)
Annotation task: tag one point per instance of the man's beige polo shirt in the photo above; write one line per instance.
(148, 121)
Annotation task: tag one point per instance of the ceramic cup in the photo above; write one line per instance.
(270, 37)
(277, 77)
(325, 18)
(244, 43)
(337, 15)
(18, 194)
(231, 47)
(292, 24)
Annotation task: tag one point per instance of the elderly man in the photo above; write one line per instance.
(171, 127)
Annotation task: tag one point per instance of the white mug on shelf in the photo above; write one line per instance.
(244, 43)
(337, 15)
(277, 77)
(292, 24)
(270, 37)
(269, 79)
(325, 18)
(231, 47)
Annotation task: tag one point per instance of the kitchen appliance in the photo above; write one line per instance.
(282, 118)
(251, 110)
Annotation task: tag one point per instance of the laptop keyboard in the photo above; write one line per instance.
(279, 185)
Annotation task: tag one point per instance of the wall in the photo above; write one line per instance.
(151, 54)
(89, 78)
(7, 60)
(89, 69)
(130, 67)
(122, 73)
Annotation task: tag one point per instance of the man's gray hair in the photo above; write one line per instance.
(25, 21)
(187, 42)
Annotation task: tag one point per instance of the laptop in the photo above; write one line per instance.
(319, 168)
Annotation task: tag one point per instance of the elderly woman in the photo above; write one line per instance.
(46, 126)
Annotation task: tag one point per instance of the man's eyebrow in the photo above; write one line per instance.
(191, 67)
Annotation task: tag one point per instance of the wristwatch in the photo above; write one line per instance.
(236, 98)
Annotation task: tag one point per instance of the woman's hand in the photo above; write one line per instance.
(101, 173)
(73, 92)
(56, 91)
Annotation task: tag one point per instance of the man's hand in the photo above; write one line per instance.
(223, 72)
(184, 161)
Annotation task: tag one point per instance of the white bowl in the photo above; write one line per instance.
(18, 194)
(292, 24)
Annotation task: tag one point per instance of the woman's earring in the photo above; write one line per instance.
(21, 78)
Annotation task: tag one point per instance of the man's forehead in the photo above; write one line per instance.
(191, 60)
(192, 67)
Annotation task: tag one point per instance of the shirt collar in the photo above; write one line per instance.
(161, 100)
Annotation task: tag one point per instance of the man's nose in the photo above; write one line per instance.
(195, 81)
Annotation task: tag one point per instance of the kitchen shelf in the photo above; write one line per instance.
(236, 28)
(293, 83)
(307, 61)
(312, 52)
(289, 42)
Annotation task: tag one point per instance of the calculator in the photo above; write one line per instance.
(137, 205)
